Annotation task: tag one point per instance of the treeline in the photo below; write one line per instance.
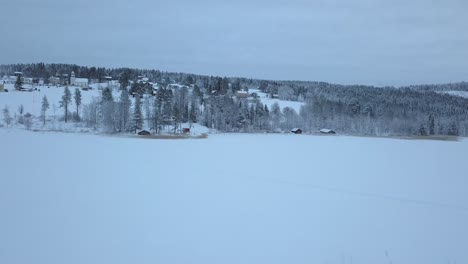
(209, 100)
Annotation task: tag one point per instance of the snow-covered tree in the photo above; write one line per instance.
(123, 105)
(65, 102)
(18, 83)
(137, 115)
(107, 108)
(6, 116)
(44, 107)
(77, 98)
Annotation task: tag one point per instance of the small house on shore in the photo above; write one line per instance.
(327, 131)
(296, 131)
(144, 133)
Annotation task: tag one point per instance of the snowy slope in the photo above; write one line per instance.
(78, 198)
(32, 101)
(282, 103)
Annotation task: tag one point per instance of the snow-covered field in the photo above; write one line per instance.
(32, 101)
(79, 198)
(282, 103)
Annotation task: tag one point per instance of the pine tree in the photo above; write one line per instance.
(193, 112)
(44, 107)
(453, 129)
(107, 106)
(6, 116)
(137, 116)
(177, 116)
(124, 78)
(77, 98)
(156, 116)
(66, 100)
(422, 130)
(18, 83)
(124, 110)
(431, 125)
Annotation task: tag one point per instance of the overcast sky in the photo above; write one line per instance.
(378, 42)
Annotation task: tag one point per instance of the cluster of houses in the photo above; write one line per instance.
(72, 80)
(58, 80)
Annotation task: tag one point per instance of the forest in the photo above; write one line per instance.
(421, 110)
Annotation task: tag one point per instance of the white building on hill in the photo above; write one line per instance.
(80, 82)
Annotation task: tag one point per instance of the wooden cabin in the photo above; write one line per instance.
(296, 131)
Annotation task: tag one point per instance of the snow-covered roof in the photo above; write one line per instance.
(295, 129)
(325, 130)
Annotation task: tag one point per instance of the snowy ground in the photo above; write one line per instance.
(79, 198)
(282, 103)
(32, 101)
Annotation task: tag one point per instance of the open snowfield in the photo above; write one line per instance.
(79, 198)
(282, 103)
(32, 101)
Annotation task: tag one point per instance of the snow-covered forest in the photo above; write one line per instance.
(162, 102)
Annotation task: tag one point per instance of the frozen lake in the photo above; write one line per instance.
(77, 198)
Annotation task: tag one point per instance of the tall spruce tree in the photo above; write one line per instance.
(124, 110)
(137, 115)
(65, 102)
(44, 107)
(107, 105)
(77, 98)
(18, 83)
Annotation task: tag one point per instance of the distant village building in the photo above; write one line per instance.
(176, 86)
(327, 131)
(80, 82)
(296, 131)
(242, 94)
(54, 80)
(59, 79)
(27, 80)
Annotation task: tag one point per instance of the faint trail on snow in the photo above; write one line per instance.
(374, 195)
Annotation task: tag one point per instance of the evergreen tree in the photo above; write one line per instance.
(137, 115)
(6, 116)
(193, 112)
(18, 83)
(77, 98)
(422, 130)
(107, 105)
(431, 125)
(453, 129)
(124, 79)
(65, 102)
(156, 116)
(177, 116)
(44, 107)
(124, 110)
